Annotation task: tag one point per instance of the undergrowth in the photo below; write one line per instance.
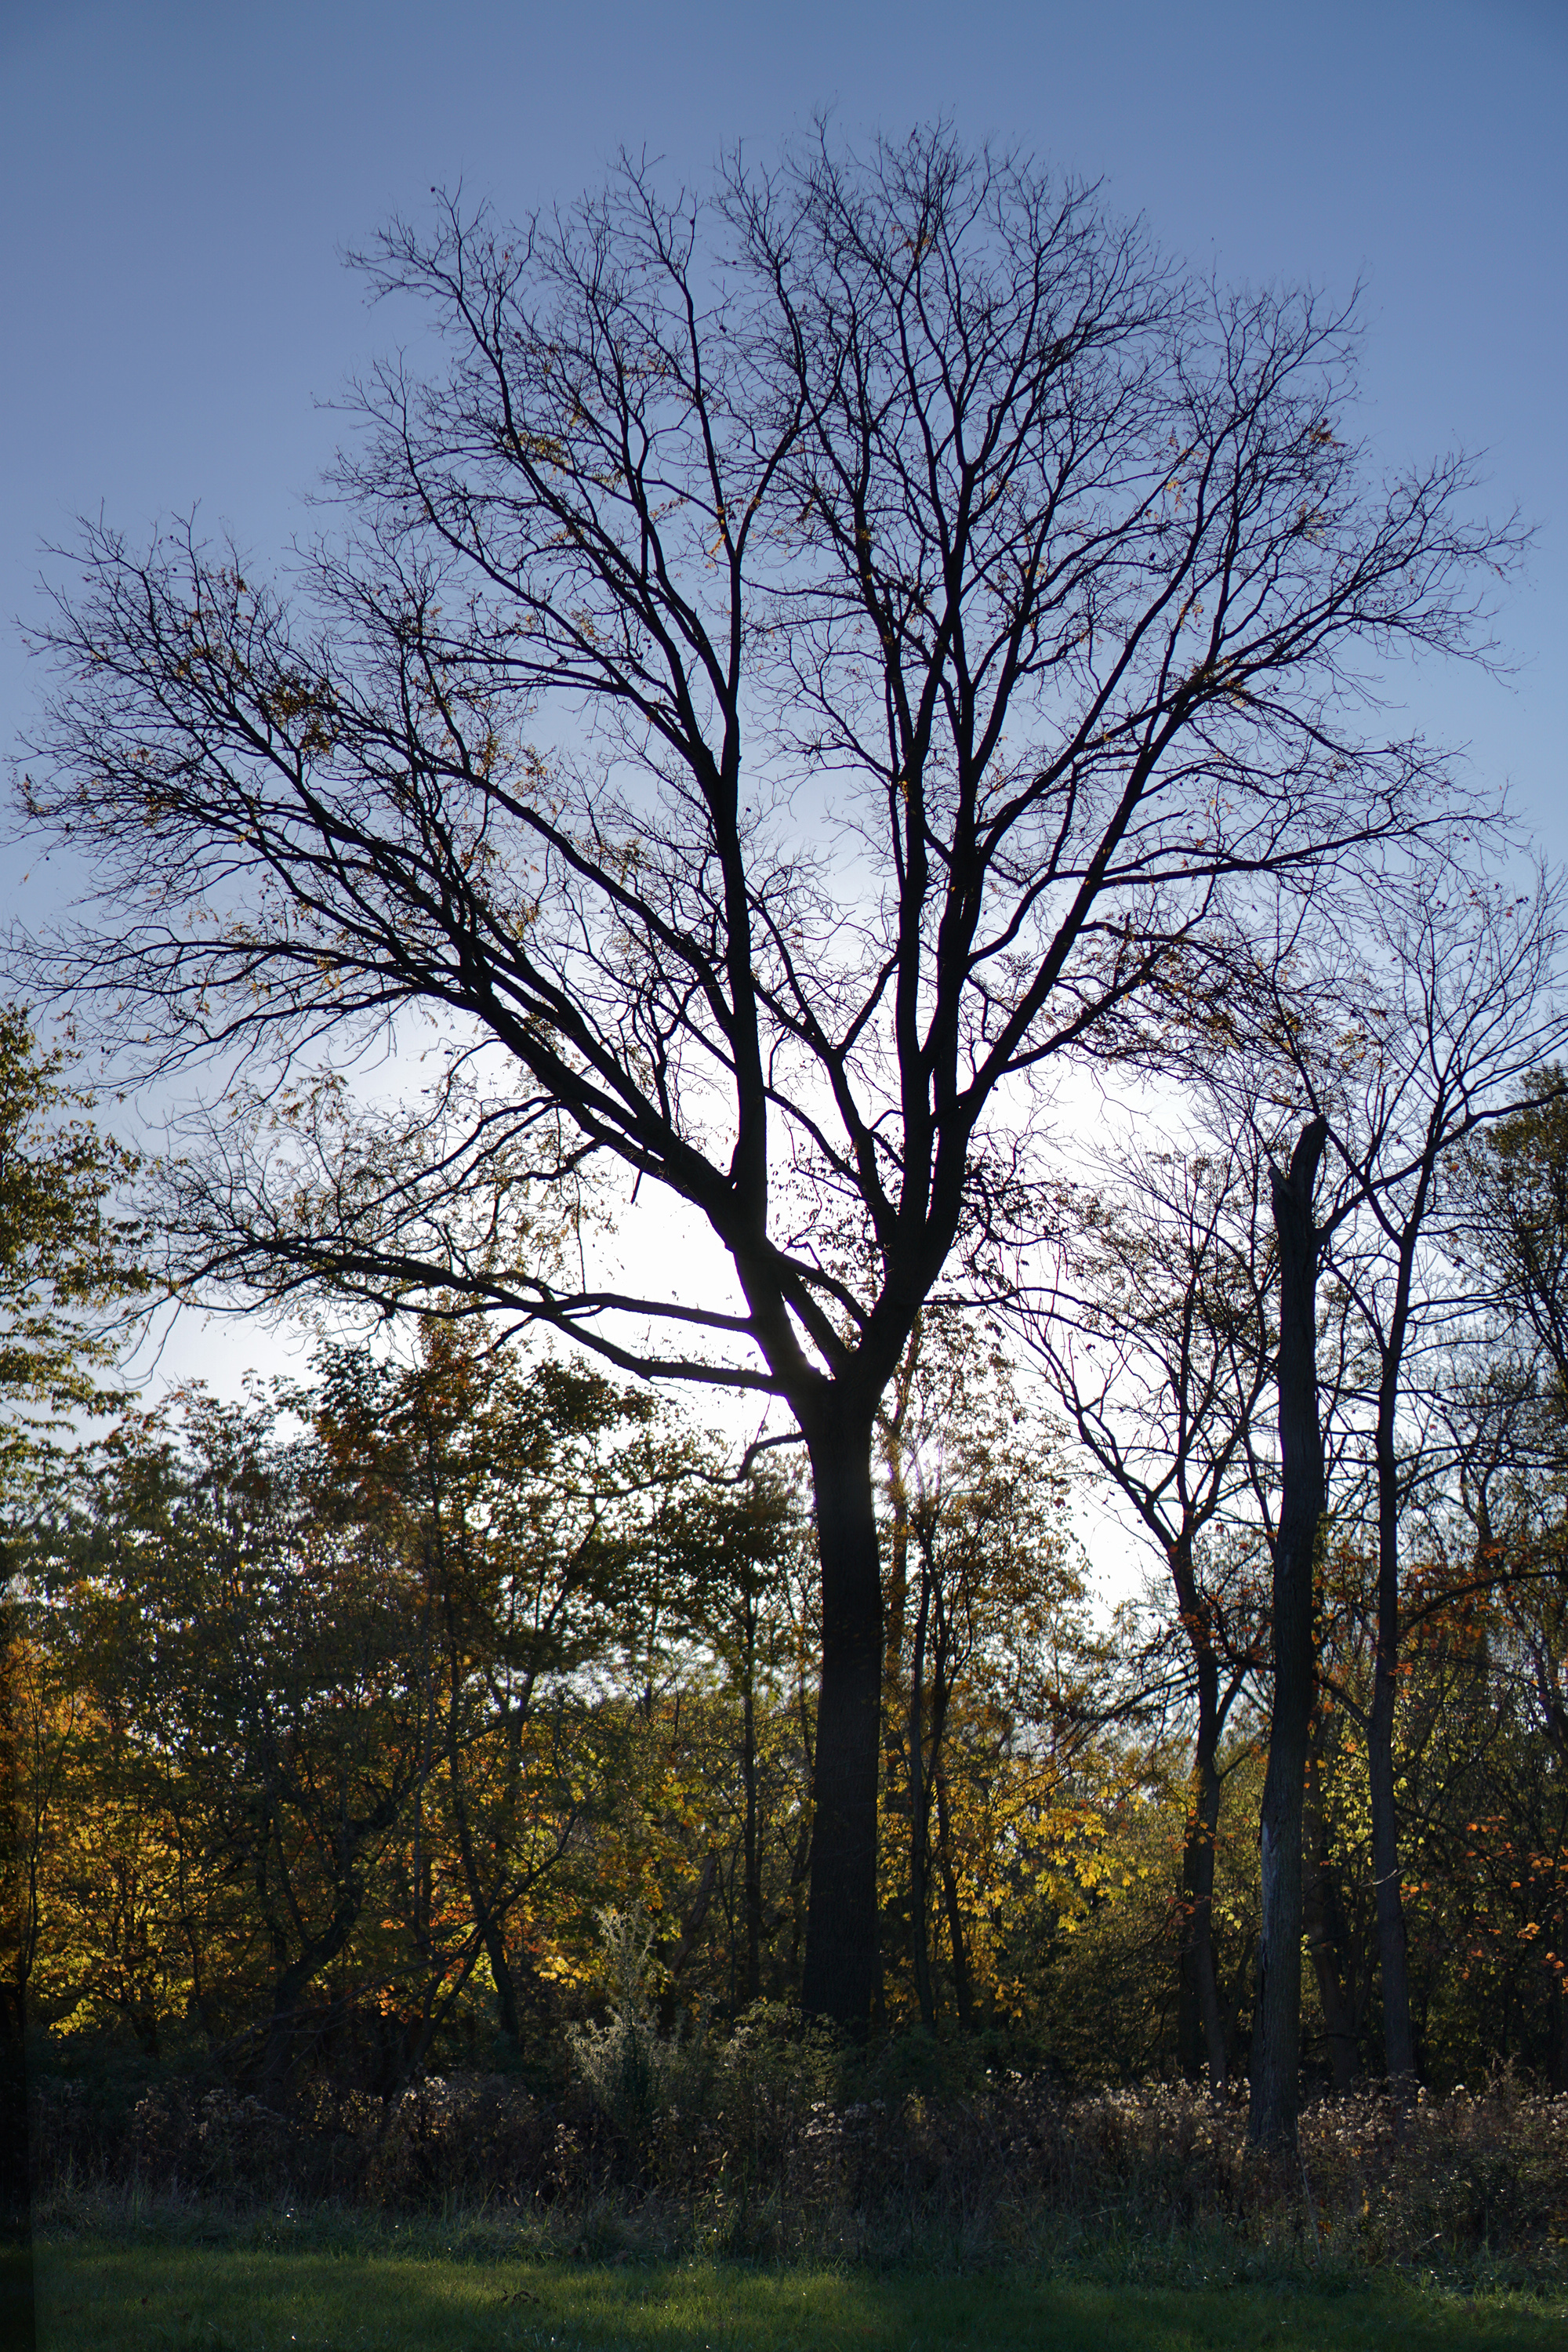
(779, 2146)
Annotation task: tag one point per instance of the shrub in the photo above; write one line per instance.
(632, 2070)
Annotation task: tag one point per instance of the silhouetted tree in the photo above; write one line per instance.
(815, 655)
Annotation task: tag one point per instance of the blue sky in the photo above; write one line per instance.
(179, 182)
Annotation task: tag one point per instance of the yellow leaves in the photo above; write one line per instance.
(543, 449)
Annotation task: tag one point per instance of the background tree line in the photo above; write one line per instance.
(339, 1718)
(345, 1715)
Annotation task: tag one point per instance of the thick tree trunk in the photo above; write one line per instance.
(1277, 2021)
(842, 1973)
(18, 2319)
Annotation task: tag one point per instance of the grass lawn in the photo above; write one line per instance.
(111, 2298)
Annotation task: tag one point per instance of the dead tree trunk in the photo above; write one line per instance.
(1277, 2029)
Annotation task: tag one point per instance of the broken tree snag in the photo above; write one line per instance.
(1276, 2025)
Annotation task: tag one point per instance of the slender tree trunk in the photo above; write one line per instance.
(963, 1994)
(696, 1917)
(800, 1862)
(1203, 2028)
(1318, 1908)
(1200, 2028)
(1398, 2039)
(842, 1974)
(508, 2013)
(753, 1888)
(17, 2322)
(288, 1987)
(490, 1921)
(919, 1817)
(489, 1917)
(1277, 2019)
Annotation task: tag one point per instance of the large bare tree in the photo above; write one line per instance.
(811, 656)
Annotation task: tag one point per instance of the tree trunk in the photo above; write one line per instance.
(753, 1863)
(1277, 2022)
(919, 1817)
(18, 2323)
(1200, 2028)
(282, 2026)
(489, 1917)
(842, 1974)
(1319, 1910)
(696, 1917)
(1398, 2040)
(963, 1996)
(508, 2015)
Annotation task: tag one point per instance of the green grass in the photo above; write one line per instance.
(163, 2297)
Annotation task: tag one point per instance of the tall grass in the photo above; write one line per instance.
(782, 2147)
